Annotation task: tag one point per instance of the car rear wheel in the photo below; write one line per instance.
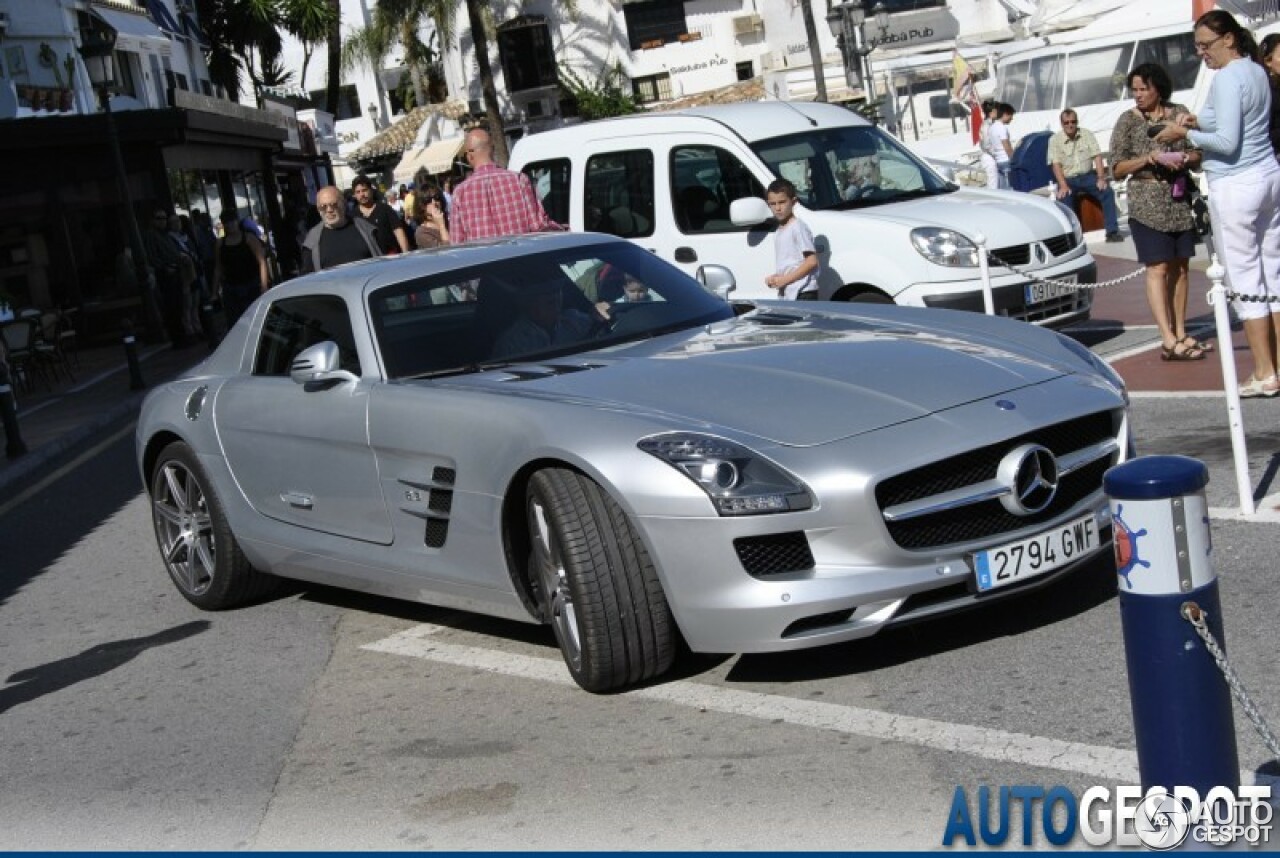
(596, 584)
(196, 543)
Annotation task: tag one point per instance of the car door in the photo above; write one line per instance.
(705, 176)
(300, 453)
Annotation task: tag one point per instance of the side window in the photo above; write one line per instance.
(619, 193)
(704, 181)
(1097, 76)
(1176, 53)
(550, 180)
(294, 324)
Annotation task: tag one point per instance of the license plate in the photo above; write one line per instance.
(1027, 558)
(1038, 293)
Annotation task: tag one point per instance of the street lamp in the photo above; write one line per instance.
(848, 24)
(97, 49)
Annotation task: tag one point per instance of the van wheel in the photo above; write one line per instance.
(595, 583)
(869, 296)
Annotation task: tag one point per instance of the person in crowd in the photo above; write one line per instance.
(337, 238)
(240, 272)
(543, 321)
(165, 260)
(408, 195)
(1077, 166)
(1270, 56)
(796, 274)
(1244, 184)
(494, 202)
(188, 273)
(1161, 221)
(206, 241)
(433, 229)
(991, 115)
(446, 188)
(392, 237)
(998, 144)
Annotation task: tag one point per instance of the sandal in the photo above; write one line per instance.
(1192, 343)
(1255, 387)
(1188, 352)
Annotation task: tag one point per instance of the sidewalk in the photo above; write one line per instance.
(56, 424)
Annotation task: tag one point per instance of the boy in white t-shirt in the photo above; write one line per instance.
(797, 267)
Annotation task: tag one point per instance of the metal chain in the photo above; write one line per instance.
(1063, 284)
(1252, 299)
(1192, 613)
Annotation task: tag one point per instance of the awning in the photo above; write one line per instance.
(435, 158)
(193, 30)
(161, 15)
(134, 33)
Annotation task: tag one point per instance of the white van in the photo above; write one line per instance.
(690, 185)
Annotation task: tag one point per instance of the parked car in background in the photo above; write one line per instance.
(492, 427)
(689, 185)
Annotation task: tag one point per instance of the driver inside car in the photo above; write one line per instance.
(544, 322)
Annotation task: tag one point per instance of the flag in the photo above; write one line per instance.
(964, 90)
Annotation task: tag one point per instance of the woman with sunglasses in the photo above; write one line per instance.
(1244, 184)
(428, 211)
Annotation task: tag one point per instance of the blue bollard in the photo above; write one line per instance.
(1181, 703)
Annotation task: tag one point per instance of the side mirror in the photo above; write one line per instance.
(717, 278)
(749, 211)
(318, 364)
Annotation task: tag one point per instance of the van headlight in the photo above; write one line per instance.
(1077, 231)
(945, 247)
(739, 481)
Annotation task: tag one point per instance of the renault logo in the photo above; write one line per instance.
(1030, 476)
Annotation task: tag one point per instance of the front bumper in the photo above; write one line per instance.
(1010, 299)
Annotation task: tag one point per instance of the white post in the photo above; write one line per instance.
(984, 273)
(1235, 420)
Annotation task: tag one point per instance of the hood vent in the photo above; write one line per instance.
(547, 370)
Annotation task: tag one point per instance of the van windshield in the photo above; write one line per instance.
(852, 167)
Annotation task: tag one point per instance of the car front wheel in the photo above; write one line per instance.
(596, 584)
(196, 543)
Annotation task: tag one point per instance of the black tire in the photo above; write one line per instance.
(870, 297)
(196, 544)
(596, 584)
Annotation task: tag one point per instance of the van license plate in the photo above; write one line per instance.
(1018, 561)
(1038, 293)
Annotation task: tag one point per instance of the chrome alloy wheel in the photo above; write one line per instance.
(554, 582)
(184, 528)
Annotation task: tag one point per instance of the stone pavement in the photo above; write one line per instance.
(58, 423)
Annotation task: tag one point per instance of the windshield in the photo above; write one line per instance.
(534, 306)
(851, 167)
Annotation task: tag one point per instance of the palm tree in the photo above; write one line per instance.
(309, 22)
(480, 40)
(397, 23)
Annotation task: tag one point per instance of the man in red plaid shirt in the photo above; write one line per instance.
(494, 202)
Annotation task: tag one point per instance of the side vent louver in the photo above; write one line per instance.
(431, 500)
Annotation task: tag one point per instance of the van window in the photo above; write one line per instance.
(619, 193)
(1176, 53)
(704, 181)
(550, 180)
(1098, 76)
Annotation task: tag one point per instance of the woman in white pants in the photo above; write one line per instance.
(1244, 185)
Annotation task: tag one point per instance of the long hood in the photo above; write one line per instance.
(808, 381)
(1005, 218)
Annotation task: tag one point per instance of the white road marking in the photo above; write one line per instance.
(1111, 764)
(69, 466)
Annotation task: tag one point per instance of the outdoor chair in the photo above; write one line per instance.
(49, 348)
(19, 340)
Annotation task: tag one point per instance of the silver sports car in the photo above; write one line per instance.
(565, 429)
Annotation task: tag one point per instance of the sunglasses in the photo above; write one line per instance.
(328, 207)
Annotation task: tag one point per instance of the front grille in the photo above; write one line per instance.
(1061, 244)
(776, 554)
(1016, 254)
(982, 520)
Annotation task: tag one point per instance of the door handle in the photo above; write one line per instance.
(298, 500)
(686, 254)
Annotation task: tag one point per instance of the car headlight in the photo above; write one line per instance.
(945, 247)
(1077, 231)
(1099, 365)
(738, 480)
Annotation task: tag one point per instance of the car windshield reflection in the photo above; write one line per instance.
(532, 308)
(849, 168)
